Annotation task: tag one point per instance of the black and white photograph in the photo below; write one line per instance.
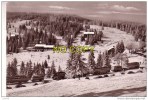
(76, 49)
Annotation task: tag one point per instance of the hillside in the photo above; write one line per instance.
(76, 49)
(109, 42)
(118, 85)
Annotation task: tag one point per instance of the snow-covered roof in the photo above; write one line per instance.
(48, 46)
(44, 45)
(88, 32)
(40, 45)
(14, 34)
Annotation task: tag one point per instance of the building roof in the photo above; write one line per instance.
(44, 45)
(88, 32)
(48, 46)
(14, 34)
(40, 45)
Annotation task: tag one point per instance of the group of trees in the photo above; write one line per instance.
(120, 47)
(11, 16)
(135, 46)
(138, 30)
(25, 69)
(43, 28)
(12, 44)
(75, 63)
(12, 68)
(91, 39)
(102, 60)
(52, 71)
(28, 38)
(28, 69)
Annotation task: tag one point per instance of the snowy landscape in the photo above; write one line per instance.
(116, 66)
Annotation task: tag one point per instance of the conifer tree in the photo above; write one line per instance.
(49, 73)
(29, 69)
(122, 48)
(22, 69)
(53, 70)
(106, 62)
(48, 57)
(91, 61)
(45, 64)
(117, 48)
(80, 67)
(75, 64)
(42, 70)
(59, 70)
(10, 70)
(15, 61)
(99, 61)
(69, 61)
(14, 67)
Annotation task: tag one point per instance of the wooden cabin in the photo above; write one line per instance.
(17, 79)
(133, 65)
(102, 70)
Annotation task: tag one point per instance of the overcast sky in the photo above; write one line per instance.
(129, 11)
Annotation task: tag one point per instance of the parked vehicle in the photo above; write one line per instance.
(133, 65)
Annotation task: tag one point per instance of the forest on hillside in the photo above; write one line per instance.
(44, 27)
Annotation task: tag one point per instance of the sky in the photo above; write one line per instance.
(126, 11)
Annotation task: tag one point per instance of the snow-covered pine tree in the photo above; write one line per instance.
(49, 73)
(59, 69)
(10, 70)
(45, 64)
(91, 61)
(106, 62)
(80, 66)
(22, 68)
(122, 48)
(99, 61)
(53, 70)
(14, 67)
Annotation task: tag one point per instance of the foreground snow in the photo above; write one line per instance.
(118, 85)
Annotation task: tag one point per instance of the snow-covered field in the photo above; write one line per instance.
(39, 57)
(112, 36)
(118, 85)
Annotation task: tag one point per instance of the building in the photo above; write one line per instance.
(42, 47)
(87, 34)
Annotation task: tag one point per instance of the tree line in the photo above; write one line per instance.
(138, 30)
(43, 29)
(28, 69)
(75, 64)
